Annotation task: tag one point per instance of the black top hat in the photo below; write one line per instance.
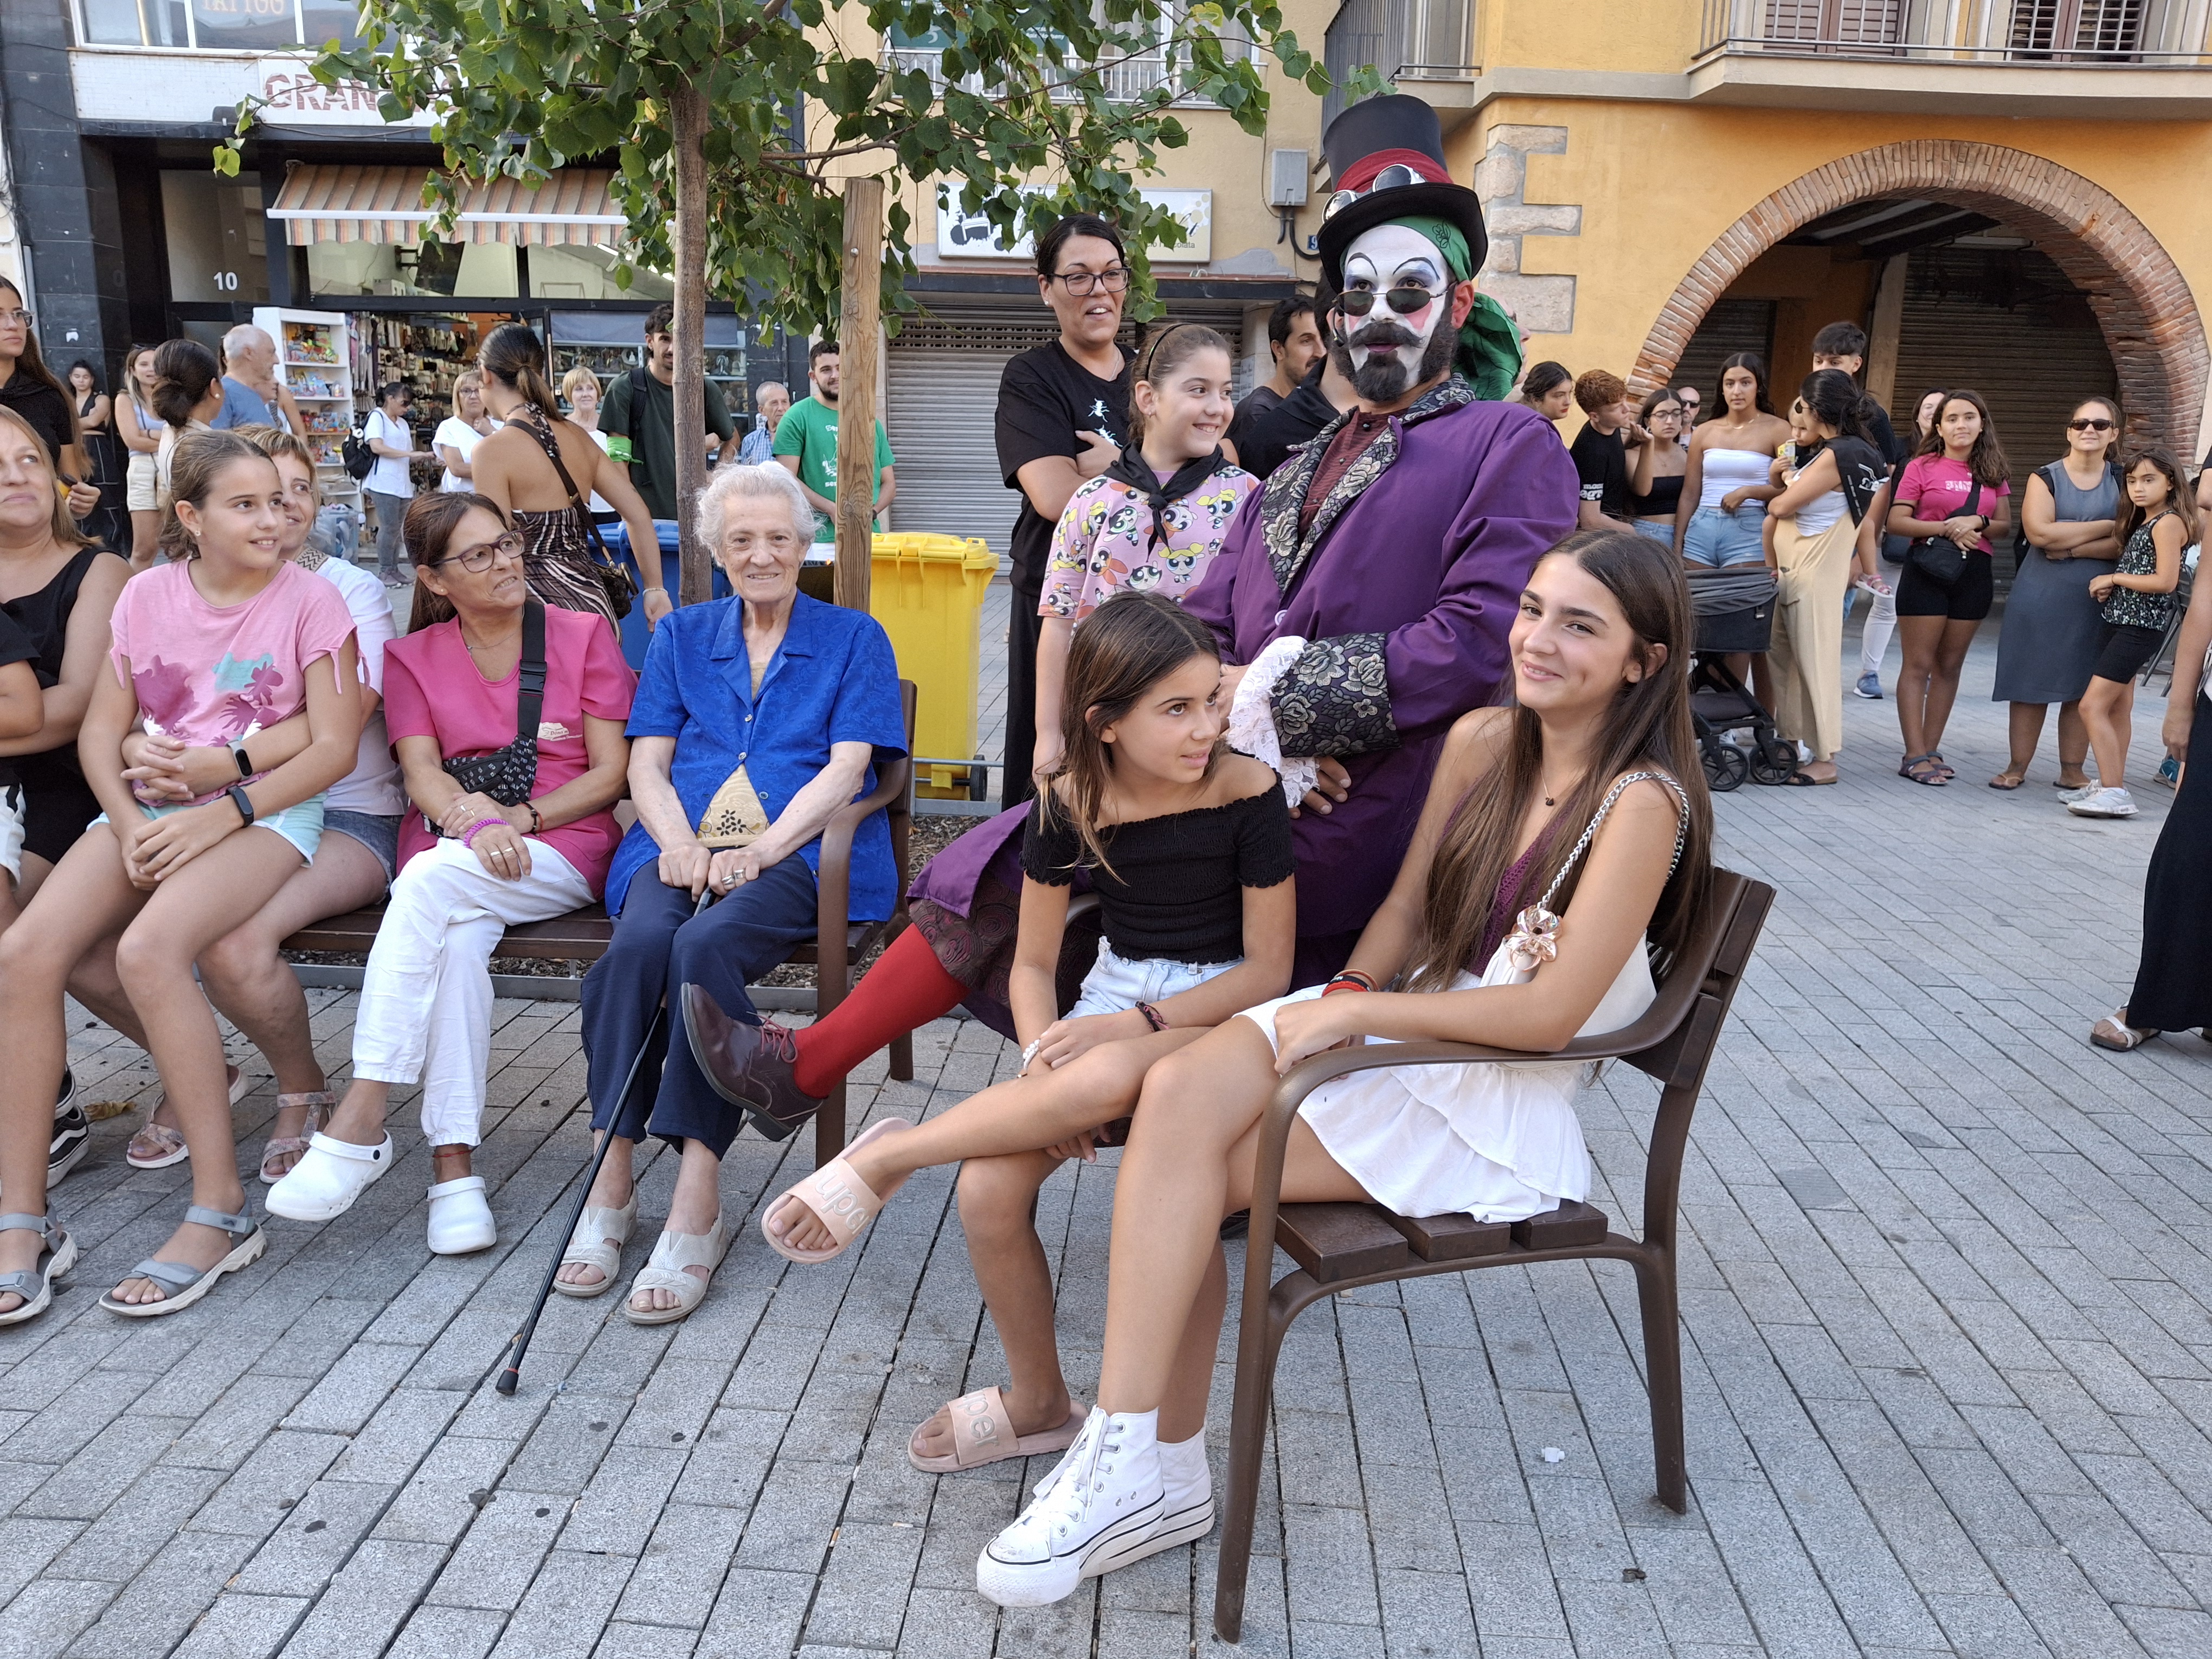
(1377, 134)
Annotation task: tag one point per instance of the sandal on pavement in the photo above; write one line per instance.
(1924, 769)
(983, 1432)
(1806, 780)
(836, 1192)
(184, 1283)
(35, 1284)
(2008, 781)
(329, 1177)
(320, 1105)
(1942, 765)
(597, 1242)
(664, 1270)
(157, 1146)
(2114, 1032)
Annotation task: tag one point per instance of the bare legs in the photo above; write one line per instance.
(693, 1211)
(2108, 711)
(2024, 731)
(145, 539)
(1935, 653)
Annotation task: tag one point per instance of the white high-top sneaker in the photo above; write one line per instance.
(1104, 1497)
(1186, 1506)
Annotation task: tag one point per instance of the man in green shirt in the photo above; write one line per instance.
(639, 420)
(806, 443)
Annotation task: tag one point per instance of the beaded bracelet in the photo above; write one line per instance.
(469, 836)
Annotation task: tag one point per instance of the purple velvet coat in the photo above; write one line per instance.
(1406, 589)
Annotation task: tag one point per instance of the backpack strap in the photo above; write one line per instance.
(530, 692)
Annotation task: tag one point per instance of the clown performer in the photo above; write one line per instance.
(1369, 592)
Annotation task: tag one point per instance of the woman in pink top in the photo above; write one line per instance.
(513, 822)
(212, 648)
(1954, 494)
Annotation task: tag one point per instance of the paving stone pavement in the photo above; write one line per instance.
(1945, 1292)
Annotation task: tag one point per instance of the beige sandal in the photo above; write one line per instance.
(671, 1254)
(158, 1146)
(320, 1105)
(2114, 1032)
(845, 1203)
(983, 1432)
(597, 1242)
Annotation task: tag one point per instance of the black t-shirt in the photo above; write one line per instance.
(15, 646)
(1259, 401)
(1271, 437)
(1602, 463)
(45, 408)
(1175, 891)
(1045, 398)
(1894, 449)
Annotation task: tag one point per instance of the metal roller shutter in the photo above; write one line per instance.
(942, 391)
(1732, 325)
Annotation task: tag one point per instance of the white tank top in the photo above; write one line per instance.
(1820, 514)
(1732, 469)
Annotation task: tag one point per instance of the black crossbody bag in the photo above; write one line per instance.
(509, 775)
(1939, 558)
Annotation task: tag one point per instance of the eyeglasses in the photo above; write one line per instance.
(477, 560)
(1112, 280)
(2089, 426)
(1394, 177)
(1404, 299)
(19, 316)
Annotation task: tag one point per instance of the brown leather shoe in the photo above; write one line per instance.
(749, 1065)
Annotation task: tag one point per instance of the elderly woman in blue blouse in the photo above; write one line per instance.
(758, 717)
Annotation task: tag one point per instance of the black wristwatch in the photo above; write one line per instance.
(238, 798)
(238, 758)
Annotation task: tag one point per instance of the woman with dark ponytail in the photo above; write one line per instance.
(187, 393)
(542, 469)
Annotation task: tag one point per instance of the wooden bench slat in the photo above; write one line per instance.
(1452, 1237)
(1569, 1227)
(1340, 1240)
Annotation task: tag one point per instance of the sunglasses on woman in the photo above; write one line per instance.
(1404, 299)
(477, 560)
(2089, 426)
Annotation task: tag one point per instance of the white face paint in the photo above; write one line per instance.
(1387, 347)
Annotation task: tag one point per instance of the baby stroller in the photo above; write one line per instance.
(1732, 611)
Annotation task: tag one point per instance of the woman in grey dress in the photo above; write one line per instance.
(2052, 628)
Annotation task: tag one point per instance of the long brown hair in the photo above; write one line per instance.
(62, 527)
(1164, 353)
(1646, 728)
(32, 364)
(1986, 460)
(2179, 499)
(183, 372)
(512, 355)
(1124, 648)
(428, 531)
(194, 465)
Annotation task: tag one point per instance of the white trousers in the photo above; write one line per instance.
(425, 999)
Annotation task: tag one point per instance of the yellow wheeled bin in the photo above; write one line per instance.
(927, 591)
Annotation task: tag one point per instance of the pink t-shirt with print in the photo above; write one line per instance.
(209, 675)
(432, 689)
(1104, 544)
(1938, 488)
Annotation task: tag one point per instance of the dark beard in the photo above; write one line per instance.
(1383, 380)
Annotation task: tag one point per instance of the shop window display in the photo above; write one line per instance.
(465, 269)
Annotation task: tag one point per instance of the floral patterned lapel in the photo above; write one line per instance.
(1287, 550)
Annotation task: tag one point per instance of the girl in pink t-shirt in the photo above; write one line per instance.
(214, 648)
(484, 847)
(1955, 494)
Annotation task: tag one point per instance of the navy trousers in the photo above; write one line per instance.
(658, 946)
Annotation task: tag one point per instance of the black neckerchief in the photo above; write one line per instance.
(1131, 468)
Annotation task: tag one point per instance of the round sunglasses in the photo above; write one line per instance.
(1394, 177)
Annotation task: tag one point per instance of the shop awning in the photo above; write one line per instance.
(347, 203)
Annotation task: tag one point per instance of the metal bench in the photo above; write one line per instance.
(582, 935)
(1339, 1247)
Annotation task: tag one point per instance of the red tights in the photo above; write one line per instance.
(906, 989)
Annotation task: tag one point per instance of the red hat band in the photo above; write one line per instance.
(1362, 172)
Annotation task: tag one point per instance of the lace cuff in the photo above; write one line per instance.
(1334, 698)
(1252, 718)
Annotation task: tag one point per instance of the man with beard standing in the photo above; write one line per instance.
(1367, 593)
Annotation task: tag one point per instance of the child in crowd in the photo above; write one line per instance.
(1514, 922)
(221, 644)
(2137, 593)
(1188, 846)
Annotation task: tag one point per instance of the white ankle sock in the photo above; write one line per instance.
(1183, 1462)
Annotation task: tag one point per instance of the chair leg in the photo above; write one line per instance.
(829, 1126)
(902, 1059)
(1257, 1350)
(1662, 1368)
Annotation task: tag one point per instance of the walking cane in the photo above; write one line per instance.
(512, 1375)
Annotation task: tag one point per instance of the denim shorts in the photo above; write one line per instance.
(1115, 984)
(375, 830)
(301, 825)
(1656, 529)
(1718, 538)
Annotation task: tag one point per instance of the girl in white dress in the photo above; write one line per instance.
(1560, 839)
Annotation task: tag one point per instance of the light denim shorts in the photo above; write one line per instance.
(1656, 529)
(301, 825)
(1718, 538)
(1115, 984)
(377, 832)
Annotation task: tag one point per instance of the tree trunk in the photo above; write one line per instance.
(689, 107)
(859, 322)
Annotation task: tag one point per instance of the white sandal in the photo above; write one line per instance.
(36, 1284)
(671, 1254)
(597, 1242)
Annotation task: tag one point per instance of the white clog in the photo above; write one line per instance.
(460, 1217)
(329, 1177)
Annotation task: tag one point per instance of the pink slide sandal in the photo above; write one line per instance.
(836, 1192)
(984, 1433)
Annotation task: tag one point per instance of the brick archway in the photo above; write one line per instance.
(2139, 295)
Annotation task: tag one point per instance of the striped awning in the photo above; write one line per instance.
(384, 205)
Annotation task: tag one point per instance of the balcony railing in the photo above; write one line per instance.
(1404, 39)
(226, 25)
(2157, 32)
(1124, 79)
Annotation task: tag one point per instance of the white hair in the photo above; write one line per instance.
(246, 338)
(768, 481)
(774, 385)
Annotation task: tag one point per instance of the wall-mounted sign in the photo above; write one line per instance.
(295, 99)
(969, 236)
